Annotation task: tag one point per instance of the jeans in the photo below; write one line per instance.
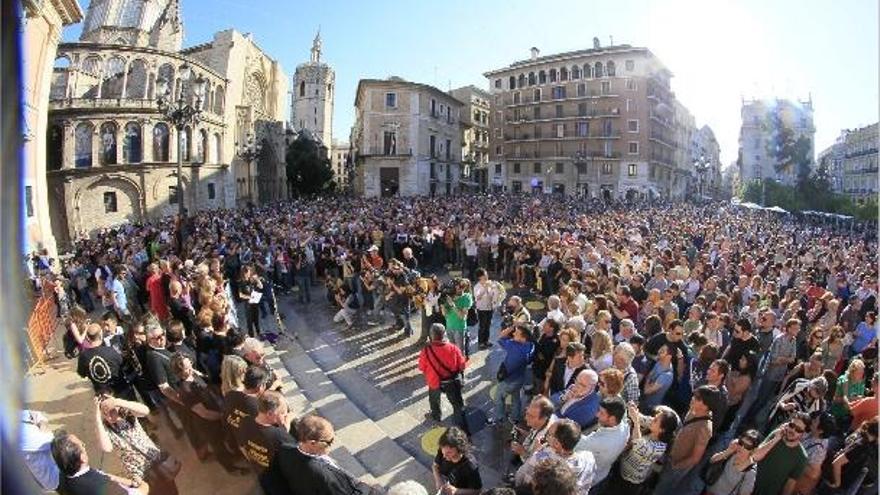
(457, 407)
(459, 338)
(485, 322)
(401, 315)
(511, 387)
(252, 315)
(303, 282)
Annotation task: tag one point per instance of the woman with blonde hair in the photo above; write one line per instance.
(850, 387)
(832, 348)
(232, 374)
(600, 352)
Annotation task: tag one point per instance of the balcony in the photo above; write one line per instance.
(660, 120)
(378, 151)
(659, 138)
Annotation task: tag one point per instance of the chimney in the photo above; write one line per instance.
(535, 52)
(596, 45)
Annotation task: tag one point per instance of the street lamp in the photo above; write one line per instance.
(180, 114)
(701, 165)
(249, 151)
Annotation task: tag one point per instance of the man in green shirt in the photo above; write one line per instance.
(455, 310)
(781, 457)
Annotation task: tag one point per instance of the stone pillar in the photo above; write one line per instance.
(68, 146)
(96, 146)
(120, 136)
(125, 79)
(147, 141)
(172, 143)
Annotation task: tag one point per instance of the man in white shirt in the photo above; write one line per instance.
(485, 299)
(609, 439)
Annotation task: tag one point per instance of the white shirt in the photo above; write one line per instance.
(606, 444)
(484, 296)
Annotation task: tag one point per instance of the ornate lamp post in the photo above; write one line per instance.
(701, 166)
(249, 151)
(181, 114)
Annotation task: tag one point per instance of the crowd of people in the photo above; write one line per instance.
(681, 348)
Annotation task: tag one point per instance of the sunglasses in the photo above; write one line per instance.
(795, 427)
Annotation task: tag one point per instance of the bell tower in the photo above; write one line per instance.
(313, 93)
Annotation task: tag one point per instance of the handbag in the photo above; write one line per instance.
(502, 373)
(450, 385)
(472, 316)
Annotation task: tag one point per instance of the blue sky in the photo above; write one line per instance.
(718, 50)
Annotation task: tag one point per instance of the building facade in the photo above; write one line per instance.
(314, 89)
(475, 130)
(598, 123)
(110, 155)
(340, 163)
(706, 151)
(860, 159)
(42, 24)
(757, 132)
(830, 160)
(406, 140)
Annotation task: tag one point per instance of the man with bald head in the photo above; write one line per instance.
(306, 468)
(102, 364)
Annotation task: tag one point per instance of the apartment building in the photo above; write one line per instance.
(475, 129)
(406, 140)
(598, 122)
(757, 132)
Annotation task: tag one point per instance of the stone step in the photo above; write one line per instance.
(399, 418)
(363, 448)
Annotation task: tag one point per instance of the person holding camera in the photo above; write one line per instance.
(455, 308)
(515, 312)
(519, 350)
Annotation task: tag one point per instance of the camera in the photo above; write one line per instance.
(448, 289)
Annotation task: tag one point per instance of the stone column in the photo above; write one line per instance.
(96, 146)
(68, 148)
(147, 141)
(120, 136)
(172, 144)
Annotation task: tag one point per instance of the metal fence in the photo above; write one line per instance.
(41, 327)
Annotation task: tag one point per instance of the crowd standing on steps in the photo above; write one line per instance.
(681, 349)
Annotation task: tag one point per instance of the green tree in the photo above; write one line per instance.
(308, 168)
(789, 152)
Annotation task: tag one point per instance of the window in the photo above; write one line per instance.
(391, 100)
(516, 168)
(531, 78)
(610, 68)
(511, 82)
(497, 168)
(607, 128)
(588, 71)
(538, 133)
(583, 129)
(432, 146)
(172, 195)
(632, 125)
(560, 168)
(302, 88)
(433, 171)
(632, 170)
(560, 130)
(160, 142)
(131, 143)
(516, 186)
(633, 147)
(108, 143)
(536, 168)
(542, 77)
(630, 107)
(212, 191)
(83, 145)
(652, 171)
(448, 149)
(110, 202)
(582, 89)
(606, 87)
(609, 149)
(631, 84)
(582, 109)
(29, 201)
(552, 75)
(521, 81)
(575, 73)
(563, 74)
(516, 98)
(537, 112)
(630, 65)
(558, 111)
(597, 71)
(498, 83)
(433, 107)
(390, 143)
(581, 168)
(537, 95)
(558, 92)
(606, 168)
(498, 150)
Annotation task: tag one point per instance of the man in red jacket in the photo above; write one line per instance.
(443, 363)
